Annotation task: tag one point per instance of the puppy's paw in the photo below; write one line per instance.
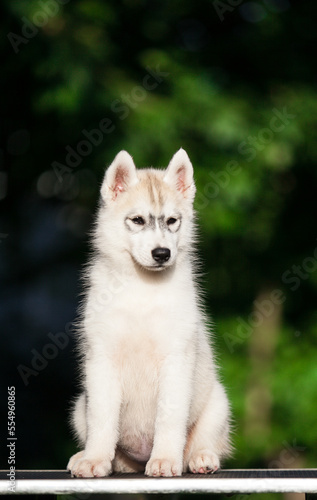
(83, 467)
(163, 467)
(203, 462)
(74, 459)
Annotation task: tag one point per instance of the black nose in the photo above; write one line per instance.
(161, 255)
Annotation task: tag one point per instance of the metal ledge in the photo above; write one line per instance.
(224, 481)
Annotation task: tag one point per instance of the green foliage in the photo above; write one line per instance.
(240, 97)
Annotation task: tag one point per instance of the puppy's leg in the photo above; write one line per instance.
(171, 420)
(102, 417)
(208, 440)
(80, 426)
(79, 418)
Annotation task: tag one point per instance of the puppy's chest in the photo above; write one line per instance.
(137, 353)
(138, 362)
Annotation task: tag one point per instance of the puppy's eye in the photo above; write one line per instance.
(138, 220)
(171, 221)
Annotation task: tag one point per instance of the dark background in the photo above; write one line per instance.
(234, 83)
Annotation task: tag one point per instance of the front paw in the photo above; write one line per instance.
(74, 459)
(163, 467)
(83, 467)
(203, 462)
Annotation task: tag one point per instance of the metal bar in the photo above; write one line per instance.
(225, 481)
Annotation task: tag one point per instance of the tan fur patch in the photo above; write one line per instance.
(153, 186)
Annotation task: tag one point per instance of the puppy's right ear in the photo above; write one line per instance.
(119, 177)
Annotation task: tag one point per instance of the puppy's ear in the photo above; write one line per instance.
(119, 176)
(180, 174)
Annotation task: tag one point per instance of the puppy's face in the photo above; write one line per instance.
(154, 234)
(150, 211)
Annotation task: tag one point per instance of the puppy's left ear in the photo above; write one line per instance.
(180, 174)
(119, 177)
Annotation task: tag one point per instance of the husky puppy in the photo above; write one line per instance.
(151, 397)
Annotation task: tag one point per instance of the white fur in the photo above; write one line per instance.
(151, 397)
